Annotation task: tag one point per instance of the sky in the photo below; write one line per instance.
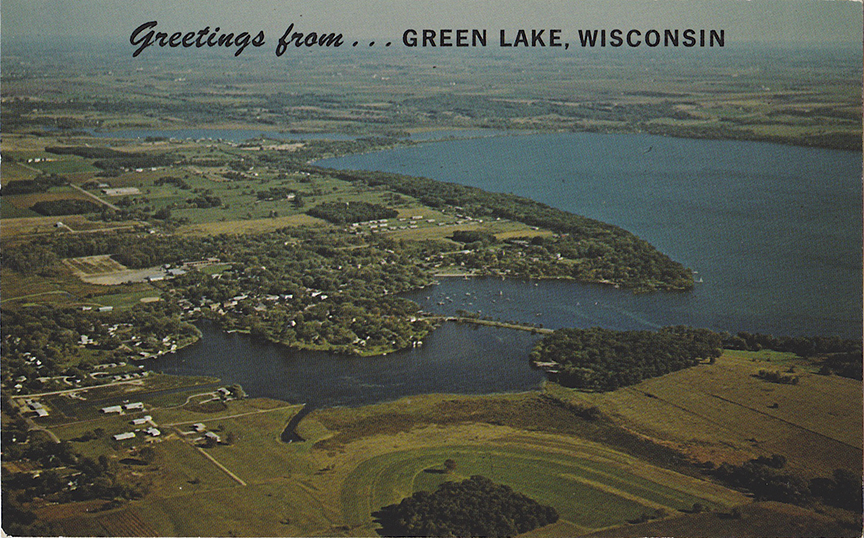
(770, 21)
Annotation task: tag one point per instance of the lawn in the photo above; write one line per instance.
(127, 300)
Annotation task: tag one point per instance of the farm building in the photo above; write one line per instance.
(121, 191)
(124, 436)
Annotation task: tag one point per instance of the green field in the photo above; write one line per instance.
(591, 487)
(126, 300)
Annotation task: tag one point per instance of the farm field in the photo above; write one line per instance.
(722, 412)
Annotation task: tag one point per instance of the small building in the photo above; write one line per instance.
(123, 436)
(112, 409)
(137, 406)
(199, 427)
(153, 431)
(143, 420)
(213, 436)
(122, 191)
(106, 308)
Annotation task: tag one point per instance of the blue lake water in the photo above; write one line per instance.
(774, 231)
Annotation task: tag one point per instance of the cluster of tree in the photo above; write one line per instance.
(88, 152)
(345, 212)
(205, 200)
(473, 507)
(843, 364)
(274, 193)
(171, 180)
(603, 359)
(605, 252)
(40, 183)
(66, 206)
(28, 257)
(778, 377)
(473, 236)
(764, 478)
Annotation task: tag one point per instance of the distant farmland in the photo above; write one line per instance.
(721, 412)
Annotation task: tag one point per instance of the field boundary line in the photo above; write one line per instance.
(215, 462)
(617, 492)
(221, 467)
(785, 421)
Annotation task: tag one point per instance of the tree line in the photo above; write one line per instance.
(346, 212)
(604, 359)
(764, 478)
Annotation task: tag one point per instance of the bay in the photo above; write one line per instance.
(463, 359)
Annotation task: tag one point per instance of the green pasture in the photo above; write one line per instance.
(588, 491)
(777, 359)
